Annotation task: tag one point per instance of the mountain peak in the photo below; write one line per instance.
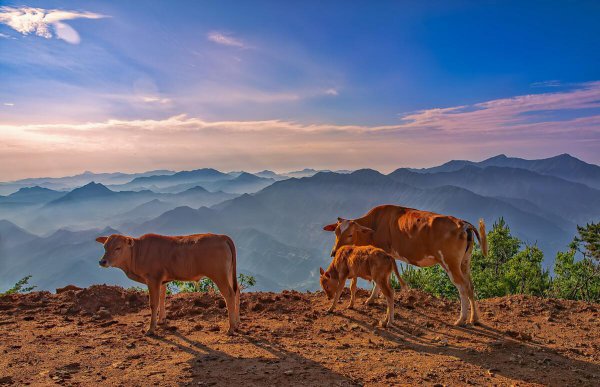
(93, 187)
(88, 191)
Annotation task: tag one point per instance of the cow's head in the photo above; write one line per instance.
(118, 250)
(348, 232)
(329, 282)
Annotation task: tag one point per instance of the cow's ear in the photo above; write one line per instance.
(321, 271)
(130, 241)
(101, 239)
(330, 227)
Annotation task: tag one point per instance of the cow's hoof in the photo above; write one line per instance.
(162, 322)
(476, 322)
(150, 333)
(231, 332)
(460, 322)
(351, 307)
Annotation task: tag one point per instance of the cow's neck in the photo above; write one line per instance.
(372, 221)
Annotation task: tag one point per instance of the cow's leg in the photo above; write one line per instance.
(229, 295)
(452, 266)
(352, 292)
(162, 312)
(374, 294)
(237, 305)
(154, 295)
(388, 293)
(466, 269)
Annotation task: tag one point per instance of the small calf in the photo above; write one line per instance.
(367, 262)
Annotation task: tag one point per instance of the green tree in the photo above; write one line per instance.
(489, 272)
(523, 273)
(588, 241)
(579, 279)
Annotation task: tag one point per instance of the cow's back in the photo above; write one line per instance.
(414, 234)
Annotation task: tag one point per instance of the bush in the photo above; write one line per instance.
(579, 279)
(206, 285)
(20, 287)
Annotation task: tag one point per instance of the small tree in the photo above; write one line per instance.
(524, 273)
(488, 272)
(579, 279)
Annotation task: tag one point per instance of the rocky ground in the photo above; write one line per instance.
(95, 336)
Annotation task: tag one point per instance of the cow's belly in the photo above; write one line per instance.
(424, 261)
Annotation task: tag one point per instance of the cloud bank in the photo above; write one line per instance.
(46, 23)
(537, 125)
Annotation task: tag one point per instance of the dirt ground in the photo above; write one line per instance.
(96, 336)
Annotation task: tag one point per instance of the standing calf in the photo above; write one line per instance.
(155, 260)
(367, 262)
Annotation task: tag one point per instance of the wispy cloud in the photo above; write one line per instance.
(9, 104)
(46, 23)
(224, 39)
(6, 36)
(519, 125)
(332, 91)
(551, 83)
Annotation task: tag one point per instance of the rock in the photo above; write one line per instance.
(221, 303)
(288, 372)
(68, 288)
(6, 380)
(103, 314)
(213, 328)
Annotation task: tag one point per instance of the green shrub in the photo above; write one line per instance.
(20, 287)
(206, 285)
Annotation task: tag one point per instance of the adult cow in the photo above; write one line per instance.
(422, 239)
(155, 260)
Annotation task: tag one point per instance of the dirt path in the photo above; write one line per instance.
(95, 335)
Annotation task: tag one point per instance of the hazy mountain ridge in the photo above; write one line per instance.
(564, 166)
(278, 230)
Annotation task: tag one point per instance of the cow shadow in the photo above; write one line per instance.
(263, 363)
(502, 354)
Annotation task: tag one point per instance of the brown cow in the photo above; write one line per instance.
(155, 260)
(367, 262)
(422, 239)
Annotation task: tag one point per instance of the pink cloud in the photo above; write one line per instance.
(517, 126)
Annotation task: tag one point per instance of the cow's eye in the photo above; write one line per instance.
(117, 249)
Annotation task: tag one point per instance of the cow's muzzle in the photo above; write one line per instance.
(103, 263)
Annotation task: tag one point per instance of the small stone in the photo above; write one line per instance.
(288, 373)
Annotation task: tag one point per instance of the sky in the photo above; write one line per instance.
(133, 86)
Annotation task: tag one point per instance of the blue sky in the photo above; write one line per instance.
(279, 86)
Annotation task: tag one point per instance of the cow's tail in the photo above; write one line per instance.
(481, 236)
(234, 282)
(403, 284)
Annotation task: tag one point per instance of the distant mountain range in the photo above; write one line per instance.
(564, 166)
(276, 219)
